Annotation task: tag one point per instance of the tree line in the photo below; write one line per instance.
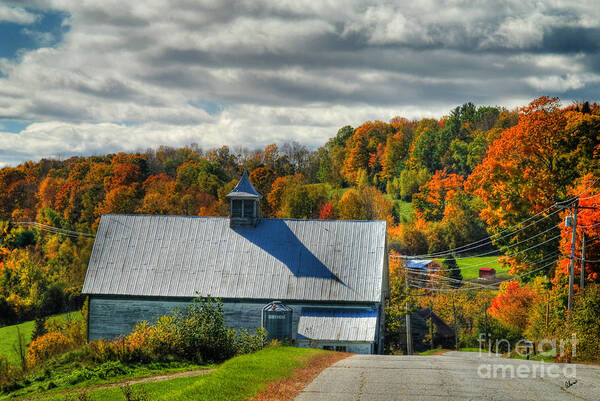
(439, 183)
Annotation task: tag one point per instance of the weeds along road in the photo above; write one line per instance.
(452, 376)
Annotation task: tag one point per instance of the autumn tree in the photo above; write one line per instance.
(512, 304)
(430, 202)
(527, 169)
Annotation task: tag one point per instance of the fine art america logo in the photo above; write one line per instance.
(530, 369)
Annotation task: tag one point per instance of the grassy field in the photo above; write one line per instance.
(8, 336)
(403, 209)
(469, 266)
(240, 378)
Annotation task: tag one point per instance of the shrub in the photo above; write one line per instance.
(245, 342)
(586, 324)
(82, 396)
(103, 350)
(204, 335)
(40, 328)
(73, 328)
(103, 371)
(9, 375)
(134, 395)
(46, 347)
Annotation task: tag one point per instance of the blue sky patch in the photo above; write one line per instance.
(212, 108)
(14, 126)
(46, 31)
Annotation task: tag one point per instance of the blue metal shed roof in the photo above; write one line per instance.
(417, 263)
(280, 259)
(338, 324)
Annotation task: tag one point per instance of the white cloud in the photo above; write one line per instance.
(16, 15)
(127, 74)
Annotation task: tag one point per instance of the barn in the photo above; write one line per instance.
(316, 283)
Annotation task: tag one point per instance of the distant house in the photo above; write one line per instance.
(487, 273)
(421, 264)
(317, 283)
(443, 335)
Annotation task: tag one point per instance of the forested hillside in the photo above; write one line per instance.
(473, 173)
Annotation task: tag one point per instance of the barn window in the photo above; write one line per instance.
(236, 208)
(328, 347)
(340, 348)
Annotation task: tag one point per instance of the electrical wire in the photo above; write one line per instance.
(53, 230)
(489, 240)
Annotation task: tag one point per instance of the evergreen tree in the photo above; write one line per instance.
(39, 328)
(451, 270)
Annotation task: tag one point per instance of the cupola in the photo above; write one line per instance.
(244, 203)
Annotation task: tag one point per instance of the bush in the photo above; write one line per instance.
(9, 375)
(586, 323)
(46, 347)
(245, 342)
(103, 371)
(82, 396)
(103, 350)
(204, 335)
(73, 328)
(131, 395)
(39, 329)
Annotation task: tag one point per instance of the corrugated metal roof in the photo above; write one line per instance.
(283, 259)
(244, 189)
(417, 263)
(337, 324)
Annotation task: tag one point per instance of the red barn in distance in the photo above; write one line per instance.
(487, 273)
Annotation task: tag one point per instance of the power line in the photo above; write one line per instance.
(489, 240)
(499, 282)
(53, 230)
(511, 255)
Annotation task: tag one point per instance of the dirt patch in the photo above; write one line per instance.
(149, 379)
(288, 388)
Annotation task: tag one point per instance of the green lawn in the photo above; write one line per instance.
(236, 379)
(8, 336)
(68, 372)
(469, 266)
(404, 209)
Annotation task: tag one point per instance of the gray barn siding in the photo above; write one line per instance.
(111, 317)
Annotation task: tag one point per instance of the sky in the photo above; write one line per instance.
(83, 77)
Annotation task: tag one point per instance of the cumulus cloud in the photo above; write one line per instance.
(16, 15)
(128, 75)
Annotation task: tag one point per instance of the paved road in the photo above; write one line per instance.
(451, 376)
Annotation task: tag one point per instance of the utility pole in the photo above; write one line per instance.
(455, 330)
(571, 221)
(572, 265)
(431, 324)
(582, 278)
(409, 350)
(486, 328)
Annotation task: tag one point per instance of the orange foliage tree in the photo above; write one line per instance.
(512, 304)
(527, 168)
(430, 202)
